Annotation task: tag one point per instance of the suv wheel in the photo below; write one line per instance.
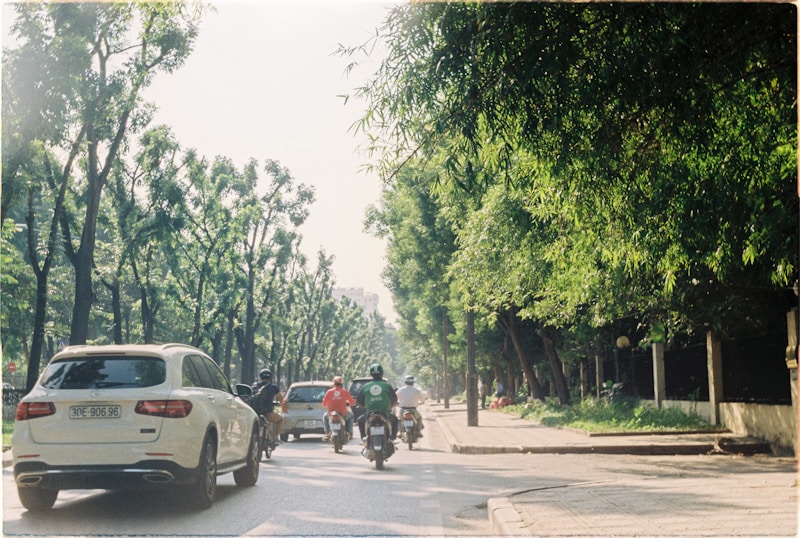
(203, 493)
(248, 475)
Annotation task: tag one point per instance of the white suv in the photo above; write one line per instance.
(126, 415)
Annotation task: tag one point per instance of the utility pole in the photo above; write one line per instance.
(444, 345)
(472, 373)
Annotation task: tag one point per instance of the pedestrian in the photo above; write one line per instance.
(482, 390)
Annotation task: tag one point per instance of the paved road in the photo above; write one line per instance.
(307, 490)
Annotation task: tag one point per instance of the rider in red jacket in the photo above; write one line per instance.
(337, 399)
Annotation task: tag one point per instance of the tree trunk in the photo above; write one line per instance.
(37, 342)
(229, 346)
(116, 307)
(555, 364)
(530, 376)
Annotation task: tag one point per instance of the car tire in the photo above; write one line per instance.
(37, 499)
(203, 493)
(284, 437)
(247, 476)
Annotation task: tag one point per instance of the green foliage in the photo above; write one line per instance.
(173, 247)
(8, 429)
(605, 416)
(600, 165)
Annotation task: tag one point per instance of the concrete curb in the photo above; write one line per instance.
(451, 440)
(721, 446)
(682, 449)
(505, 519)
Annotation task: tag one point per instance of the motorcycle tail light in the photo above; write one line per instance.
(408, 416)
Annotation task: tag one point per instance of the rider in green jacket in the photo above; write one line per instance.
(377, 396)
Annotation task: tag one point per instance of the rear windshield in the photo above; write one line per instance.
(104, 372)
(357, 385)
(306, 394)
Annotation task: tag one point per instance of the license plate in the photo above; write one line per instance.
(336, 425)
(376, 430)
(408, 423)
(95, 411)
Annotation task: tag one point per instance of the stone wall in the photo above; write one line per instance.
(775, 424)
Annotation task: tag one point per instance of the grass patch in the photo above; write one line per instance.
(601, 416)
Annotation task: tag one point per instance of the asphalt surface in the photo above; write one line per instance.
(696, 484)
(699, 484)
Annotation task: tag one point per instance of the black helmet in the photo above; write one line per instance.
(376, 369)
(265, 374)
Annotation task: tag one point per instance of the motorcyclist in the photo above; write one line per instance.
(337, 399)
(265, 394)
(377, 396)
(409, 397)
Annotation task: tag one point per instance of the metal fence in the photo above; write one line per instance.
(11, 398)
(754, 370)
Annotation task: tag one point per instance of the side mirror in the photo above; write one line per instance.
(243, 390)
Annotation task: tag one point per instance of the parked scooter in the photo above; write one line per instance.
(379, 446)
(338, 434)
(409, 433)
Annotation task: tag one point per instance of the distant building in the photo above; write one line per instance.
(367, 301)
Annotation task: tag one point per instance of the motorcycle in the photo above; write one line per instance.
(268, 441)
(409, 431)
(379, 445)
(338, 433)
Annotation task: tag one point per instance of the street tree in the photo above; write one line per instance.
(106, 53)
(654, 145)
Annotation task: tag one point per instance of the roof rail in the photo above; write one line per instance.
(173, 344)
(73, 347)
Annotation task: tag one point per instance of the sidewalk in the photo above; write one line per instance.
(656, 495)
(502, 433)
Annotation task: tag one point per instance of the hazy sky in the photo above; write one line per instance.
(263, 83)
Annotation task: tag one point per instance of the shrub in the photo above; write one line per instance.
(618, 415)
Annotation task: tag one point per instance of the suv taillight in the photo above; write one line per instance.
(29, 410)
(164, 408)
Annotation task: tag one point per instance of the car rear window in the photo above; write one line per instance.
(306, 394)
(357, 385)
(104, 372)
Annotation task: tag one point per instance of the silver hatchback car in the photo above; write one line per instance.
(302, 408)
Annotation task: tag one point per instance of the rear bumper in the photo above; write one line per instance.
(150, 472)
(303, 424)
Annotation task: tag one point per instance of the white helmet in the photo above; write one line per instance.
(409, 380)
